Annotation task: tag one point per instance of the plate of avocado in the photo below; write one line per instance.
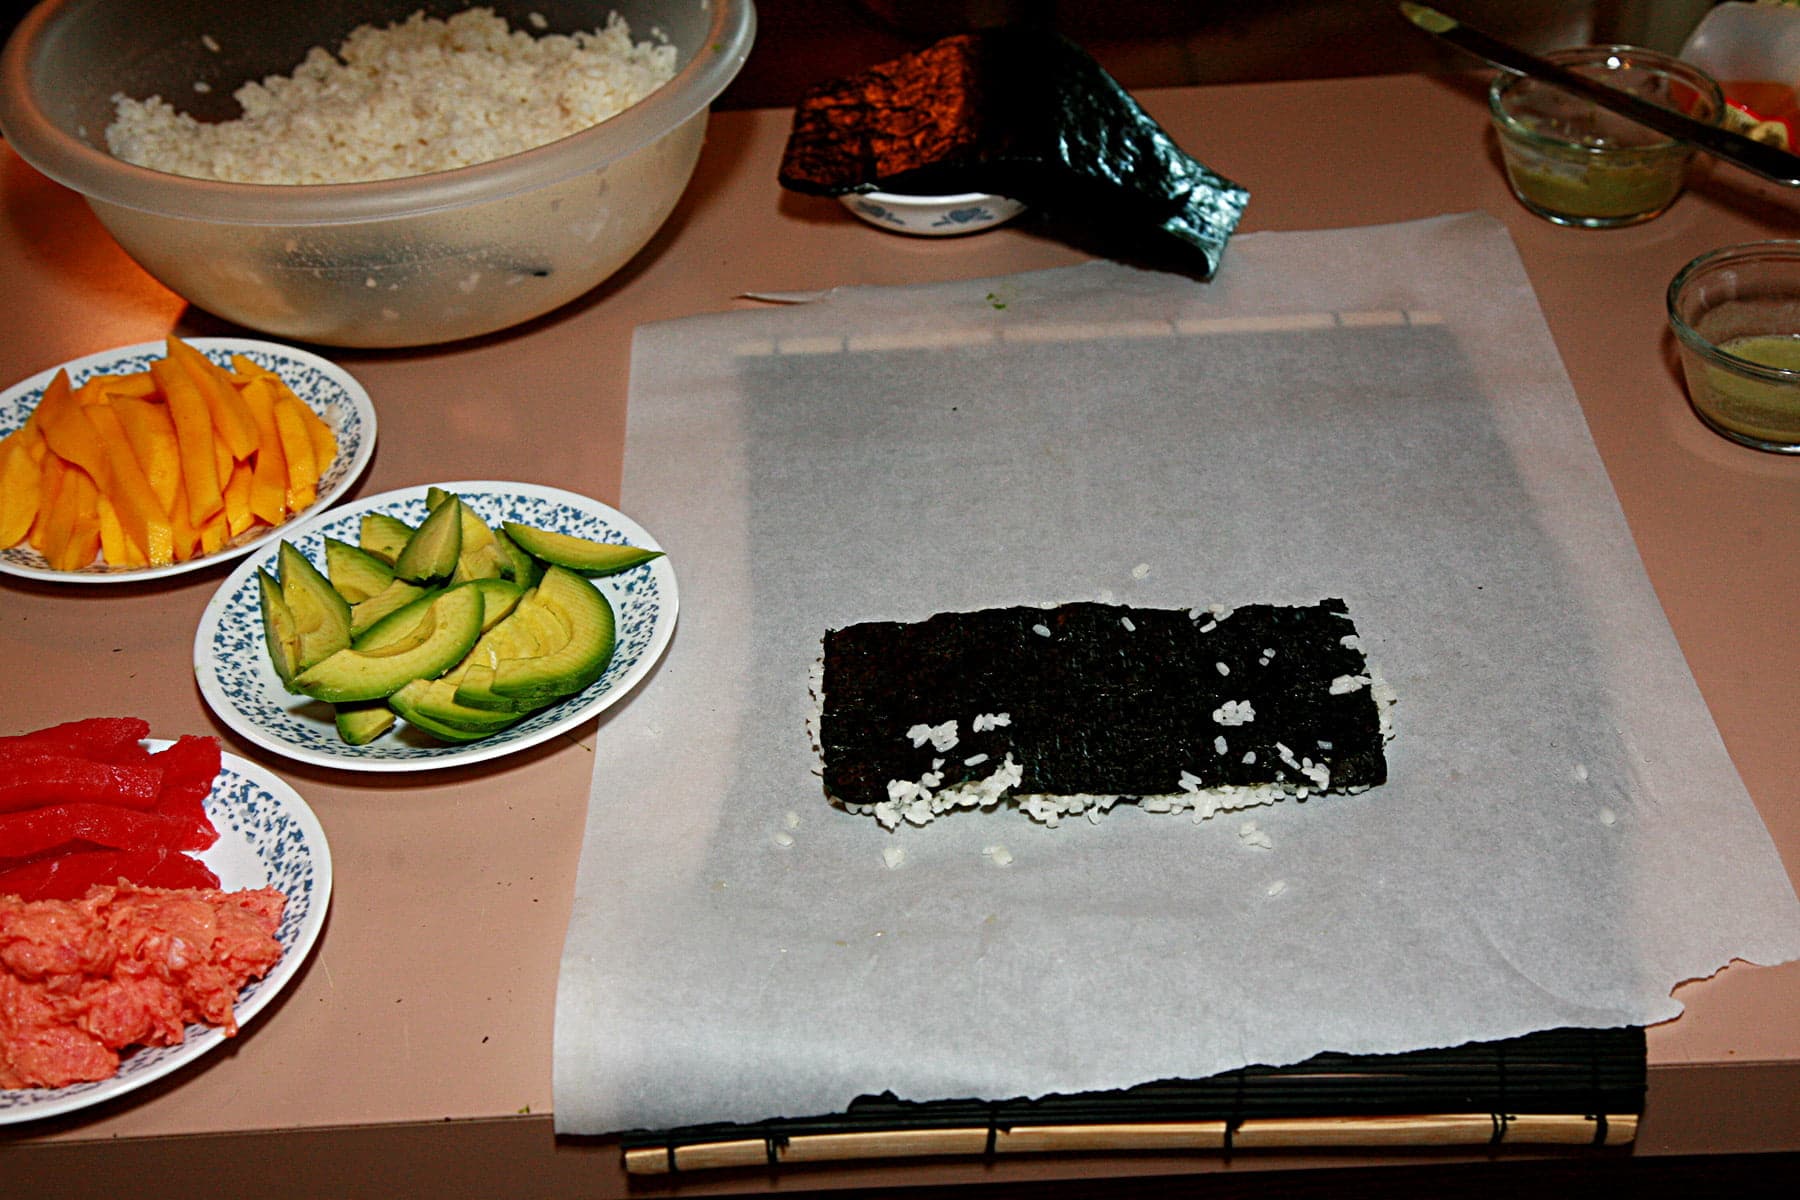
(436, 626)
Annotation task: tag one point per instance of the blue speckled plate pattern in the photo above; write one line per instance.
(231, 660)
(325, 387)
(268, 837)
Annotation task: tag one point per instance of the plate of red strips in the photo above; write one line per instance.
(101, 823)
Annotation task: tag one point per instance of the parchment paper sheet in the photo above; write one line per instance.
(1377, 414)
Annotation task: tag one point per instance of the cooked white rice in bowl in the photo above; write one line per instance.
(409, 98)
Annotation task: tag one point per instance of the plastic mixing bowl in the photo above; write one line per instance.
(397, 262)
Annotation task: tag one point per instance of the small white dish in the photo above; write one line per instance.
(932, 216)
(325, 387)
(268, 837)
(237, 680)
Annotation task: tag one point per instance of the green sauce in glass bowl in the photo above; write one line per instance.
(1574, 163)
(1595, 188)
(1767, 411)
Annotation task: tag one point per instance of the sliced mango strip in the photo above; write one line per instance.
(20, 478)
(186, 538)
(49, 486)
(72, 534)
(324, 441)
(141, 514)
(151, 431)
(269, 482)
(223, 462)
(238, 516)
(194, 439)
(113, 541)
(230, 418)
(246, 368)
(71, 436)
(57, 398)
(297, 448)
(97, 388)
(29, 438)
(84, 537)
(213, 533)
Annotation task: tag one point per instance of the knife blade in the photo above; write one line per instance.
(1759, 158)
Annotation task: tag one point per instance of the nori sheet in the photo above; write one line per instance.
(1098, 708)
(1017, 111)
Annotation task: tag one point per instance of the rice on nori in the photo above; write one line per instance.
(1075, 708)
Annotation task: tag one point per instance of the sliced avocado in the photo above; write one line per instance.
(531, 632)
(435, 700)
(279, 633)
(538, 629)
(321, 616)
(400, 624)
(383, 535)
(486, 563)
(450, 627)
(480, 556)
(362, 722)
(583, 555)
(471, 568)
(395, 596)
(541, 625)
(476, 532)
(476, 690)
(437, 729)
(522, 569)
(521, 635)
(516, 637)
(499, 596)
(435, 497)
(431, 552)
(354, 572)
(580, 660)
(529, 629)
(504, 640)
(517, 634)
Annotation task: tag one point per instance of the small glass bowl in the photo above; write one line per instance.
(1736, 316)
(932, 216)
(1572, 162)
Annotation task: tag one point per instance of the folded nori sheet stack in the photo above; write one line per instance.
(1103, 700)
(1019, 112)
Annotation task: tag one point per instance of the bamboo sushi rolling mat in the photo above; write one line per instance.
(1559, 1088)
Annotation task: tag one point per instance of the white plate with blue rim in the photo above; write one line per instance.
(268, 837)
(932, 216)
(325, 387)
(238, 681)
